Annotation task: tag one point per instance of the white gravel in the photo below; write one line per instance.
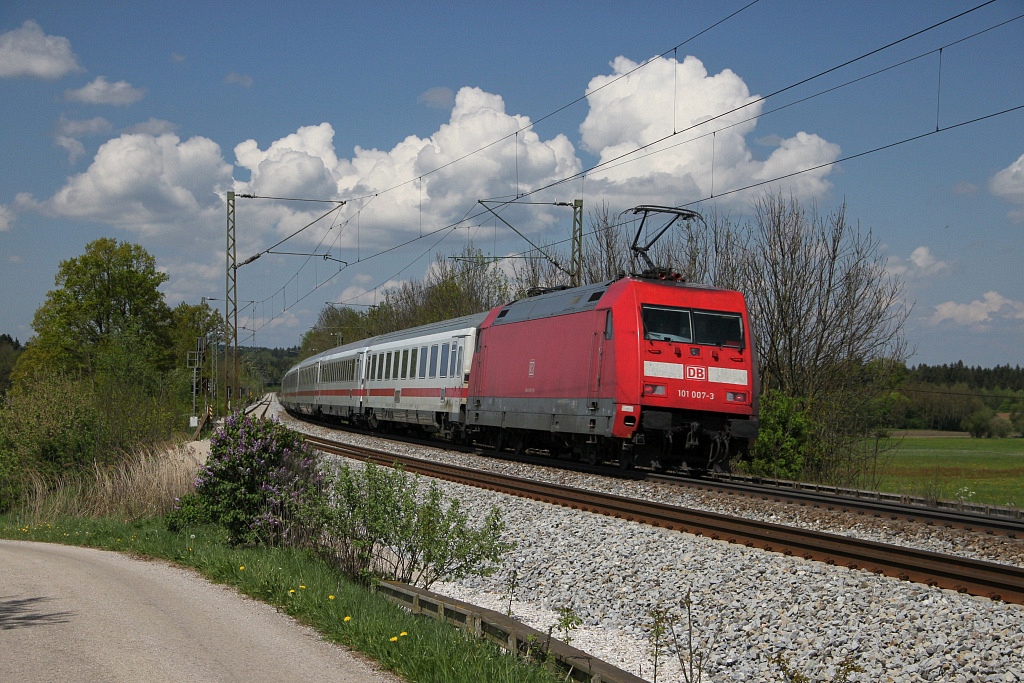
(748, 606)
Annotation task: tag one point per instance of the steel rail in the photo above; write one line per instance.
(829, 500)
(997, 520)
(990, 579)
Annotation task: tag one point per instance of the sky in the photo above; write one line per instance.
(133, 120)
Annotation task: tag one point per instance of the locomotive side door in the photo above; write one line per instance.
(597, 360)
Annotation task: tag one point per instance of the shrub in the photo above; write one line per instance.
(1000, 427)
(257, 477)
(190, 511)
(979, 423)
(783, 443)
(379, 523)
(48, 428)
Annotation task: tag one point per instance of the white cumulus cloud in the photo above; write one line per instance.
(68, 132)
(152, 127)
(101, 91)
(306, 164)
(243, 80)
(77, 128)
(6, 217)
(632, 123)
(27, 51)
(919, 265)
(146, 184)
(437, 98)
(1009, 185)
(990, 307)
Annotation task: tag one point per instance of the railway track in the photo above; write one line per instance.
(1005, 521)
(993, 520)
(993, 580)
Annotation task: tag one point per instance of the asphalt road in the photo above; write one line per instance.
(78, 614)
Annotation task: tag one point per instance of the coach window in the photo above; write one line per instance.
(373, 367)
(609, 330)
(412, 363)
(433, 361)
(444, 360)
(451, 370)
(423, 362)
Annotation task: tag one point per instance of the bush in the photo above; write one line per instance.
(48, 428)
(379, 523)
(1000, 427)
(257, 477)
(783, 443)
(261, 484)
(190, 512)
(979, 423)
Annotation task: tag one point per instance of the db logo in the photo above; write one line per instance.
(696, 372)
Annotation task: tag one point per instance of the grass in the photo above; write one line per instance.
(989, 471)
(305, 587)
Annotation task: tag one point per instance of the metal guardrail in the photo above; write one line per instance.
(505, 632)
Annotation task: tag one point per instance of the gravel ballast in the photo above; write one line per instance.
(749, 607)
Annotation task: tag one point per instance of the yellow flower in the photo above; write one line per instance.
(301, 586)
(394, 639)
(292, 590)
(242, 567)
(348, 618)
(403, 633)
(330, 597)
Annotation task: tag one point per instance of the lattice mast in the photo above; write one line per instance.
(230, 308)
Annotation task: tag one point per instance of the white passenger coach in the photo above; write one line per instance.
(417, 376)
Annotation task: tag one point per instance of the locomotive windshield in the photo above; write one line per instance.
(667, 323)
(718, 329)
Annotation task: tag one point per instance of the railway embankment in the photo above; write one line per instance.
(748, 607)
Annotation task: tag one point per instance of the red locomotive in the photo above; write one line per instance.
(642, 370)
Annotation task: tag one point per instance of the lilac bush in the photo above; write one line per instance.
(258, 478)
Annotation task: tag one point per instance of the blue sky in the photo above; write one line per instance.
(132, 121)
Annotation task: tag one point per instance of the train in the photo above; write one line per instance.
(639, 371)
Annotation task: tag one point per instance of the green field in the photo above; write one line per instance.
(933, 465)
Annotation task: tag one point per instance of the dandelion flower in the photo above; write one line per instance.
(348, 618)
(330, 597)
(301, 586)
(403, 633)
(242, 567)
(292, 590)
(394, 638)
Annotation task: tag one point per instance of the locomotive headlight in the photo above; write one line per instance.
(736, 396)
(654, 389)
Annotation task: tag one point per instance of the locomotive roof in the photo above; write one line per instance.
(574, 300)
(561, 302)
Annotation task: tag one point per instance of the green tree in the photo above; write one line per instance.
(190, 323)
(10, 349)
(113, 286)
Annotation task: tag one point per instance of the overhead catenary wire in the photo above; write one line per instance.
(623, 158)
